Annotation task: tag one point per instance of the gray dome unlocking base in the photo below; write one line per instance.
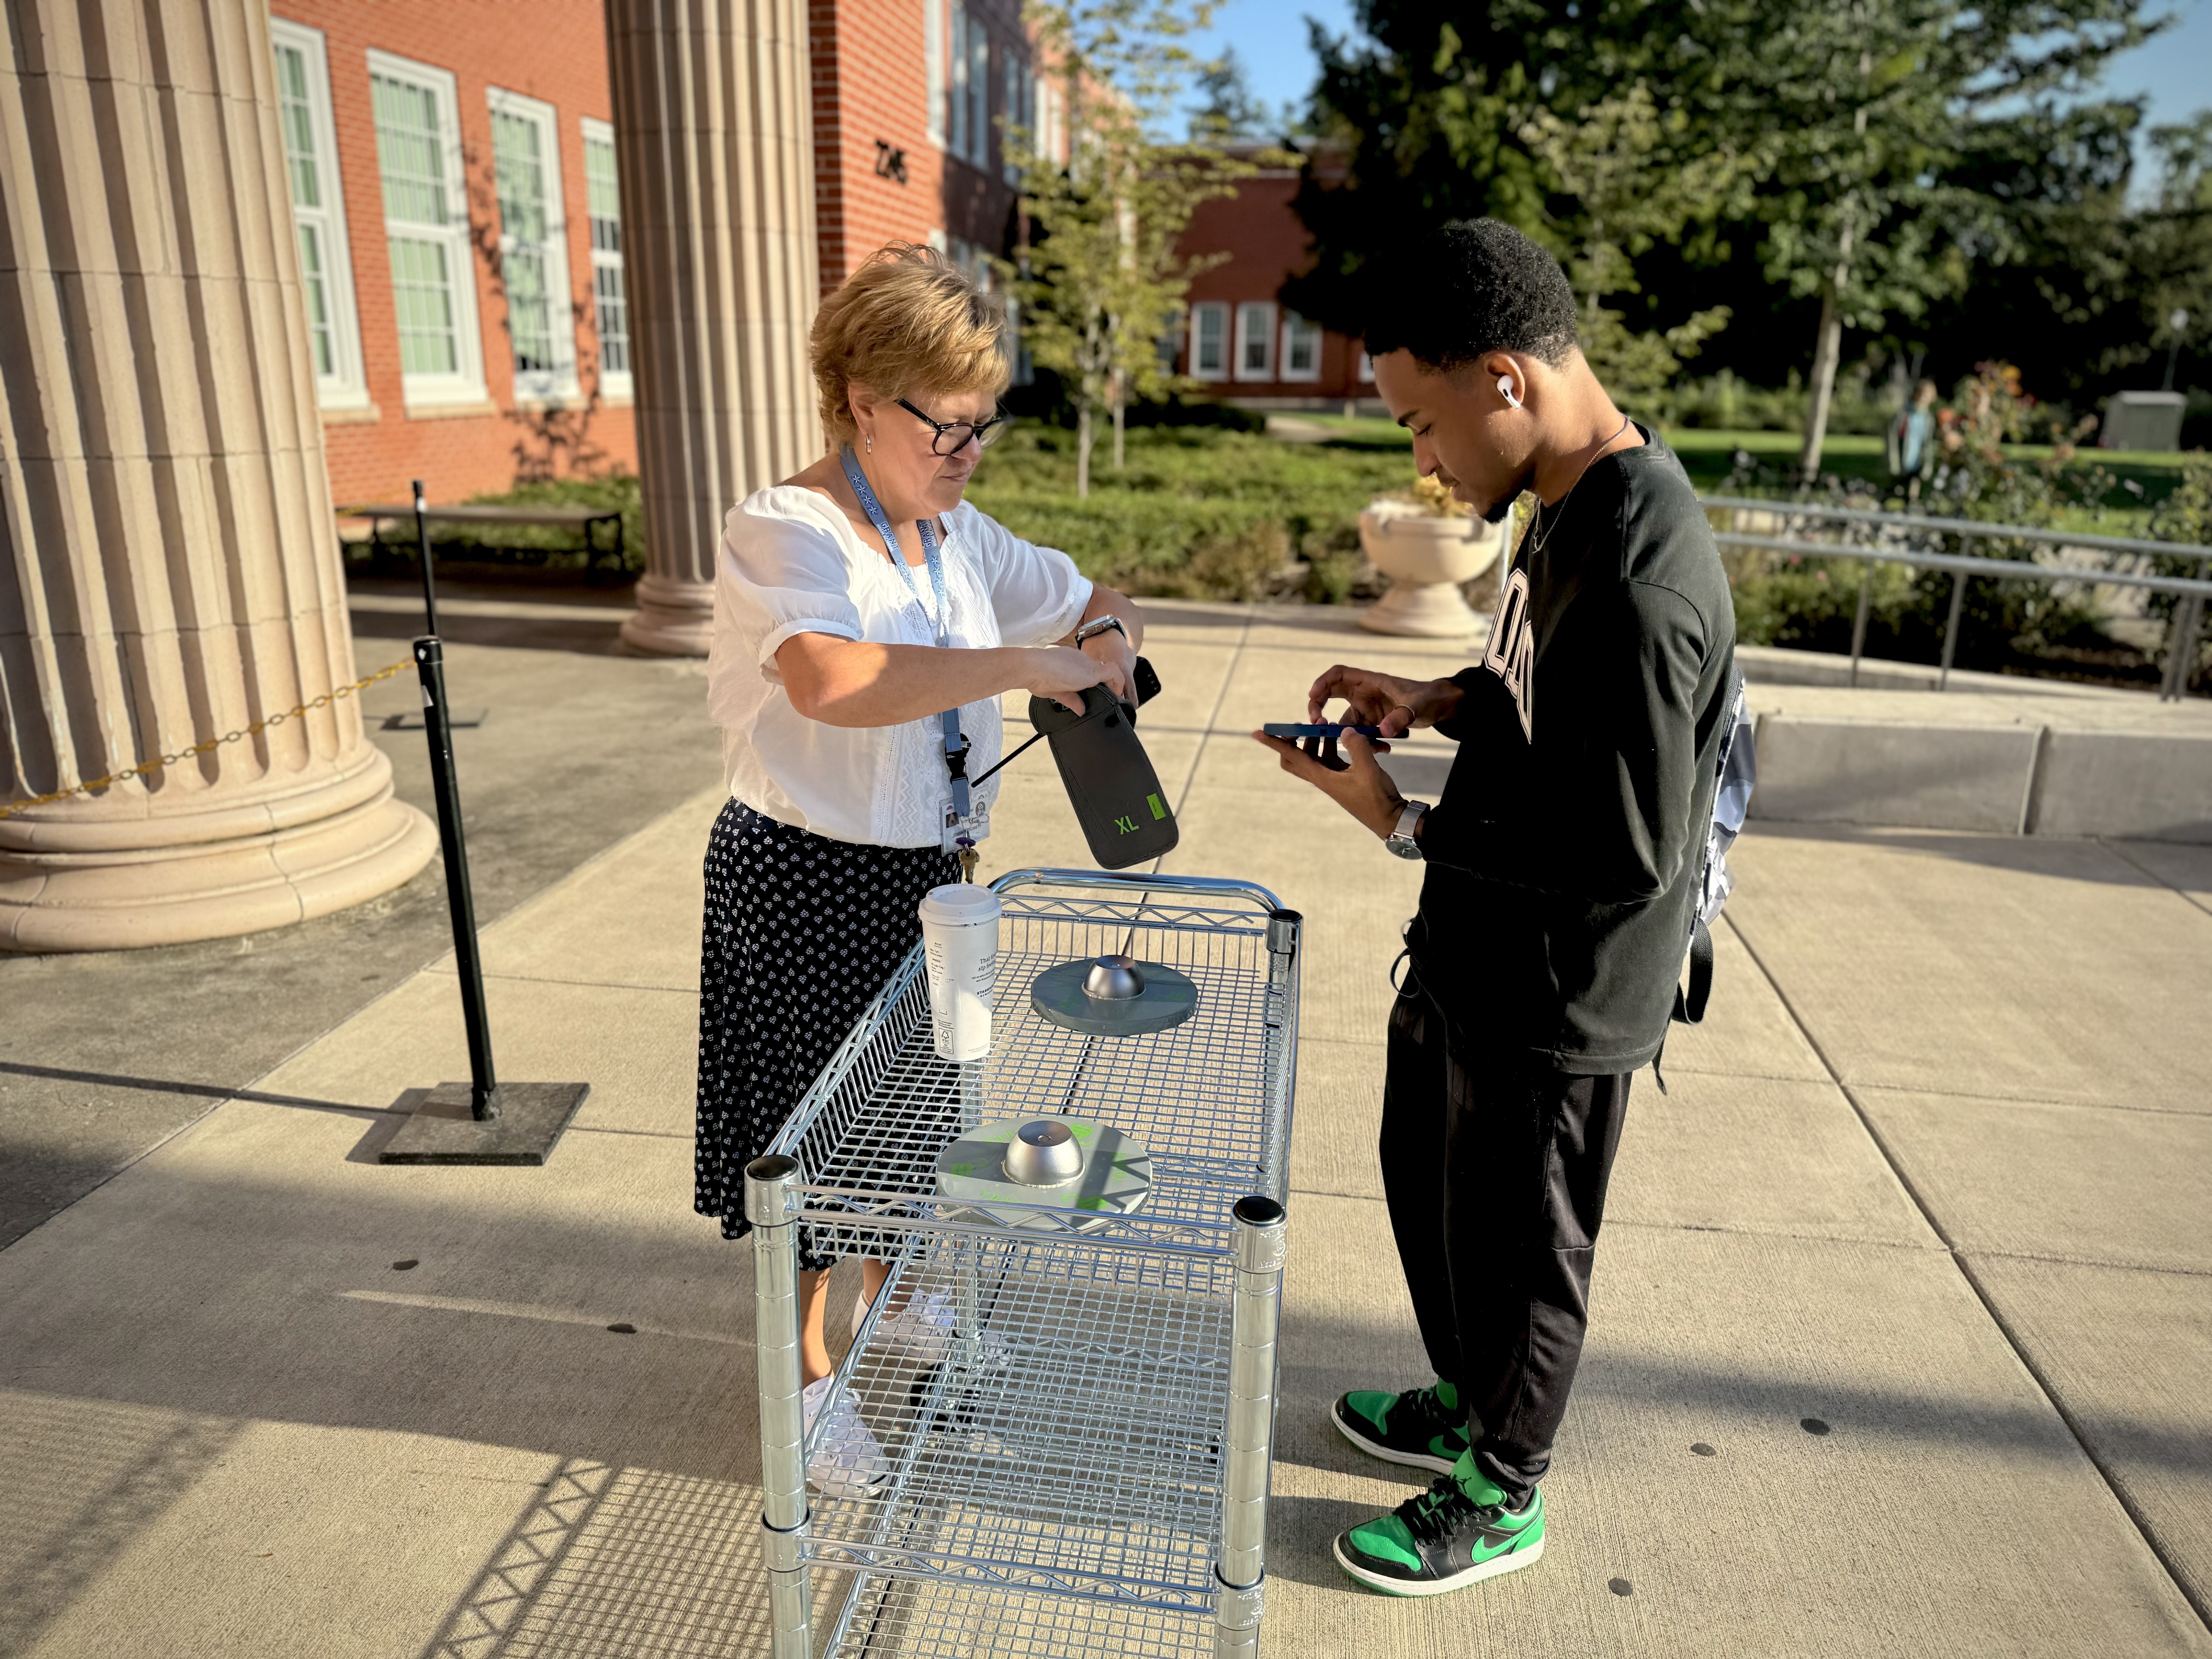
(1113, 996)
(1113, 1174)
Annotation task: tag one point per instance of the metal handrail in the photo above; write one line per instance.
(2018, 532)
(2190, 592)
(2019, 570)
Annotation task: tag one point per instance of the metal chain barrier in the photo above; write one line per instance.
(252, 731)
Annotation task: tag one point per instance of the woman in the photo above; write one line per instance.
(854, 604)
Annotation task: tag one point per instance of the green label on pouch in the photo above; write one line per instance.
(960, 1169)
(1080, 1131)
(1158, 810)
(1089, 1203)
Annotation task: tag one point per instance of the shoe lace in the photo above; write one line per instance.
(1435, 1515)
(1429, 1408)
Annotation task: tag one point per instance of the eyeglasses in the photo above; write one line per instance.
(953, 436)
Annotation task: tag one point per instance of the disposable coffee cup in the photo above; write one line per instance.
(960, 947)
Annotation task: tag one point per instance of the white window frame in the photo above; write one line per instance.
(1297, 328)
(1199, 312)
(1255, 326)
(466, 384)
(956, 81)
(621, 382)
(346, 387)
(971, 41)
(932, 58)
(558, 383)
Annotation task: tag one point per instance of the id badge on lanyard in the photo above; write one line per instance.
(963, 820)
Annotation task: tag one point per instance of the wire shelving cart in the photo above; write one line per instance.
(1082, 1466)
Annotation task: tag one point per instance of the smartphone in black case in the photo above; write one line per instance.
(1110, 779)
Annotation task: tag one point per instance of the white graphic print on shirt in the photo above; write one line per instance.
(1512, 653)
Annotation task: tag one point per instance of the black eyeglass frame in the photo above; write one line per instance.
(979, 431)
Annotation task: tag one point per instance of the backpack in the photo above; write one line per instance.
(1737, 772)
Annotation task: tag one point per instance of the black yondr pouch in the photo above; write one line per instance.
(1108, 777)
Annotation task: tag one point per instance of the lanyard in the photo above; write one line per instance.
(956, 746)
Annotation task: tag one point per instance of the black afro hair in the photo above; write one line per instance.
(1471, 286)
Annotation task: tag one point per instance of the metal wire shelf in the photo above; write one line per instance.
(921, 1620)
(1075, 1445)
(1079, 1464)
(1210, 1099)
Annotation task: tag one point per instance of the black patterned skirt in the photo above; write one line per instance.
(801, 932)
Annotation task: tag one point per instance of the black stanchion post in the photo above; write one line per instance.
(444, 784)
(478, 1121)
(423, 552)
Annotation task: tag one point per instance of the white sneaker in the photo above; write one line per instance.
(848, 1463)
(923, 1330)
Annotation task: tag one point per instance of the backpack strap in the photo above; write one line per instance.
(1690, 1005)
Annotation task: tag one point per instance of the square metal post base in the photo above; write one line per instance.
(531, 1116)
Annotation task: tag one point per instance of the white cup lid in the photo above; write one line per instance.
(960, 902)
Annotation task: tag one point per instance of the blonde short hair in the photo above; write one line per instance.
(908, 321)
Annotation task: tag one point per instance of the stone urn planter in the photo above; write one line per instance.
(1426, 559)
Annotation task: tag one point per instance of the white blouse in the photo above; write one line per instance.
(790, 563)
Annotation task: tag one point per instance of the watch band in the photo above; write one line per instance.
(1401, 840)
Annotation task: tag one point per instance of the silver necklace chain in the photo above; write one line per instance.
(1538, 535)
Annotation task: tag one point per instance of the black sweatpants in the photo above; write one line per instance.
(1495, 1167)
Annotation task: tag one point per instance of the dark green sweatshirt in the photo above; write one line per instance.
(1565, 857)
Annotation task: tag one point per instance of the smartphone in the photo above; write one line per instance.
(1280, 729)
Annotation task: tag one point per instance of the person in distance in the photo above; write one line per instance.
(1563, 862)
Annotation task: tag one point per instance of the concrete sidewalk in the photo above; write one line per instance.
(1899, 1320)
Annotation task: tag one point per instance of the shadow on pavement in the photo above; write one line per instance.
(202, 1091)
(588, 633)
(88, 1479)
(613, 1560)
(2027, 855)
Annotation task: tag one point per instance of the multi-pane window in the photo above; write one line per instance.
(1256, 341)
(1209, 341)
(418, 154)
(533, 257)
(610, 306)
(303, 107)
(932, 58)
(1301, 348)
(968, 93)
(979, 93)
(1019, 112)
(956, 84)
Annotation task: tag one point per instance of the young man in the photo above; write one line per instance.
(1564, 861)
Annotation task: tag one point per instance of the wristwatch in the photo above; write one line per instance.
(1107, 623)
(1401, 840)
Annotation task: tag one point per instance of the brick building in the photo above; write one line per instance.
(454, 182)
(1240, 340)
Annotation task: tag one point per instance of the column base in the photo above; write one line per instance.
(80, 883)
(674, 618)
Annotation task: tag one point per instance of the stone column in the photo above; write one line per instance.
(714, 118)
(168, 565)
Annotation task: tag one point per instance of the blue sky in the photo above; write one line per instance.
(1271, 38)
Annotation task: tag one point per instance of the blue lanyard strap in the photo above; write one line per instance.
(956, 746)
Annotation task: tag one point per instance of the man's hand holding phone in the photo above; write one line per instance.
(1384, 700)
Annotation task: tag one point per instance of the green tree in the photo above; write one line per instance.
(1871, 109)
(1099, 278)
(1602, 159)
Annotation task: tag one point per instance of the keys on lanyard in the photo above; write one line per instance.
(958, 831)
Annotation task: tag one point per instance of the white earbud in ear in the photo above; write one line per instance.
(1505, 390)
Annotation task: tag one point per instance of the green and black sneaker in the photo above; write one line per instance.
(1425, 1428)
(1458, 1533)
